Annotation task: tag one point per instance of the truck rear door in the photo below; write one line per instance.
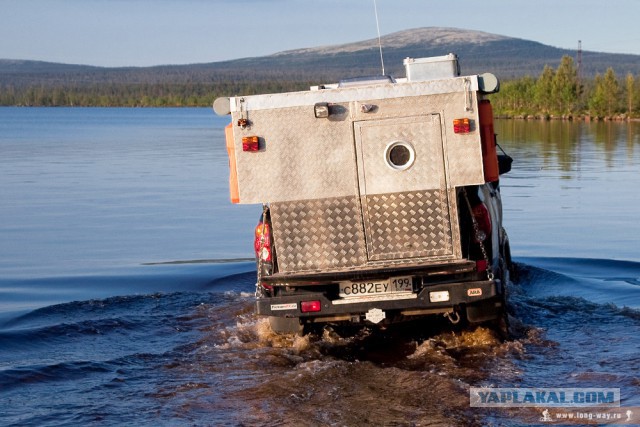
(402, 177)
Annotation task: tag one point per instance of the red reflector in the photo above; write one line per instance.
(461, 125)
(481, 214)
(481, 265)
(262, 241)
(266, 286)
(250, 143)
(310, 306)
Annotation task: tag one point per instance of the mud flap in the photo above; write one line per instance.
(484, 311)
(286, 325)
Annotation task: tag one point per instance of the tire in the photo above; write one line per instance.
(286, 325)
(502, 322)
(487, 312)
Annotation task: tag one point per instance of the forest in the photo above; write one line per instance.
(555, 93)
(561, 93)
(136, 94)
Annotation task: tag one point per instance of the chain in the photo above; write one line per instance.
(259, 291)
(476, 231)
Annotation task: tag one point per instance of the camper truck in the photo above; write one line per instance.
(380, 198)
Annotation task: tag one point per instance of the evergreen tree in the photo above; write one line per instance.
(564, 88)
(630, 85)
(544, 89)
(604, 99)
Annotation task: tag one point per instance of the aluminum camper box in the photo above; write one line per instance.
(362, 187)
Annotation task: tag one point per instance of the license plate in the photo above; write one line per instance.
(376, 287)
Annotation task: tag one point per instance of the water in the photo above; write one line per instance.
(126, 293)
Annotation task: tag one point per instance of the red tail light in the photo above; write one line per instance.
(481, 214)
(310, 306)
(262, 242)
(461, 125)
(481, 265)
(250, 143)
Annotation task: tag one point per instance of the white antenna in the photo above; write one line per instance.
(375, 8)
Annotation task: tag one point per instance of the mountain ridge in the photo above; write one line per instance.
(478, 52)
(433, 35)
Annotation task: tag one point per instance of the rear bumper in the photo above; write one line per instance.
(468, 292)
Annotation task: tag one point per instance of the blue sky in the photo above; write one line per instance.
(154, 32)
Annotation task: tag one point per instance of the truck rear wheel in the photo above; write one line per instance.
(501, 324)
(285, 325)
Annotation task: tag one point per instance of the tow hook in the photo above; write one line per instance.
(453, 319)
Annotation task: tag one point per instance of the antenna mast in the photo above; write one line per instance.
(579, 62)
(375, 8)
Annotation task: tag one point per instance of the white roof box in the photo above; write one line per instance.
(433, 68)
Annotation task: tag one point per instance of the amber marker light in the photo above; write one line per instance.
(461, 125)
(250, 143)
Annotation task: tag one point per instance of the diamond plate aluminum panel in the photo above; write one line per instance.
(329, 235)
(321, 234)
(462, 152)
(302, 157)
(420, 134)
(408, 225)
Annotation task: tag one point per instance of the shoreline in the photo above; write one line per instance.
(567, 118)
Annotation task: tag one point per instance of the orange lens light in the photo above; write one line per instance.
(250, 143)
(461, 125)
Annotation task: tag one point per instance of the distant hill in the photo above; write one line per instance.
(45, 83)
(478, 52)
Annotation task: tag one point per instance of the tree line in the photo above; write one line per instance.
(561, 93)
(556, 92)
(137, 94)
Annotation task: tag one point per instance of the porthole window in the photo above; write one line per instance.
(400, 155)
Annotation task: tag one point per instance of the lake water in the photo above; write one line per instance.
(126, 285)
